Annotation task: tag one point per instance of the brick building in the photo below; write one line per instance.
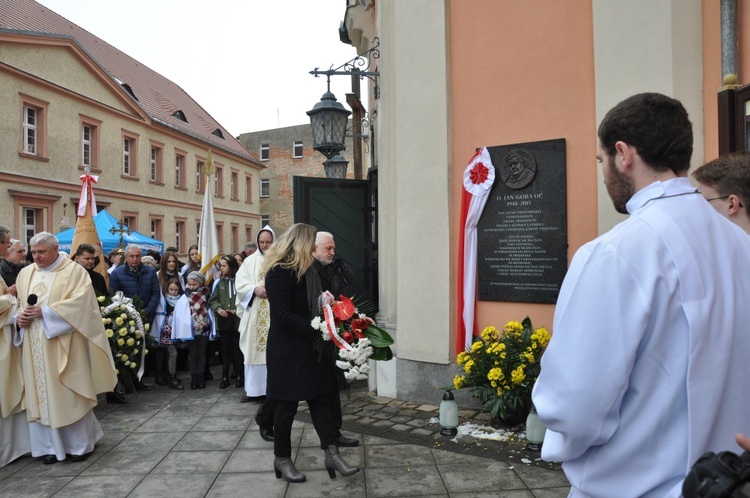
(286, 153)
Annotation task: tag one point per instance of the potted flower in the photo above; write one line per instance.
(501, 367)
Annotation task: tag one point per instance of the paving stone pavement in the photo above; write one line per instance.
(205, 443)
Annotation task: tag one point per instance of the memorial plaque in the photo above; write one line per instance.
(522, 236)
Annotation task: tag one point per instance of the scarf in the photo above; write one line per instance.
(199, 310)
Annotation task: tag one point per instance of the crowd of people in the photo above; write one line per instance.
(258, 342)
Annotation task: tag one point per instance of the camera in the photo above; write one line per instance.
(722, 475)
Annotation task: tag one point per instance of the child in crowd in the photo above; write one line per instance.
(193, 323)
(222, 303)
(166, 352)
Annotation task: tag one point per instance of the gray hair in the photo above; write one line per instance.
(133, 247)
(322, 236)
(44, 238)
(4, 233)
(14, 242)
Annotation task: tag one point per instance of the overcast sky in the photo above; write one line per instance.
(246, 62)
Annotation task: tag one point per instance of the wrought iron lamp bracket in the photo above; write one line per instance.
(359, 65)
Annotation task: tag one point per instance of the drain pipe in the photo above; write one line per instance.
(729, 57)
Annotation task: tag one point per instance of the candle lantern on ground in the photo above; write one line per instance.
(448, 414)
(535, 430)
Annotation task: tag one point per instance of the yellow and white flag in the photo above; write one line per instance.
(208, 240)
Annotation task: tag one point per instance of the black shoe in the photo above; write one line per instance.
(266, 435)
(80, 458)
(174, 383)
(140, 386)
(116, 398)
(246, 399)
(49, 460)
(207, 375)
(240, 382)
(201, 382)
(346, 441)
(224, 383)
(193, 381)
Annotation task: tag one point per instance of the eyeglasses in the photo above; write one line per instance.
(720, 198)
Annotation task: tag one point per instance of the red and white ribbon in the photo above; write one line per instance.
(478, 178)
(333, 330)
(87, 188)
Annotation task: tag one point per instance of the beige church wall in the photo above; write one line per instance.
(647, 46)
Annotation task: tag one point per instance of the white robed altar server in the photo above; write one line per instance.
(66, 358)
(648, 364)
(254, 313)
(14, 430)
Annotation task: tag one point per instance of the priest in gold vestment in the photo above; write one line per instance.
(66, 357)
(14, 430)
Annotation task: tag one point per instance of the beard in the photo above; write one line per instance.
(619, 187)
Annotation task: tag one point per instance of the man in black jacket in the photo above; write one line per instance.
(86, 256)
(335, 277)
(14, 260)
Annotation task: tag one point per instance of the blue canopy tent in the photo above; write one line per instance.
(104, 222)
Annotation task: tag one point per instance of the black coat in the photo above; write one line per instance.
(294, 372)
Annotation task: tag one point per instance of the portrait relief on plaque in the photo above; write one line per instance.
(518, 169)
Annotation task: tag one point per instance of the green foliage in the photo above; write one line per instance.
(501, 367)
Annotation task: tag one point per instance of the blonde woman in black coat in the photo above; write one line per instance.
(294, 372)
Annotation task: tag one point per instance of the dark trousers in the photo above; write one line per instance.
(284, 417)
(334, 403)
(266, 413)
(197, 354)
(231, 353)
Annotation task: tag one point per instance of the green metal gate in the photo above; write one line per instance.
(344, 208)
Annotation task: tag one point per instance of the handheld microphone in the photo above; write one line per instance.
(32, 299)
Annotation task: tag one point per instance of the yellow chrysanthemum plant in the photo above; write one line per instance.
(501, 367)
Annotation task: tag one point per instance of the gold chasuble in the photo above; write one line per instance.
(11, 375)
(64, 374)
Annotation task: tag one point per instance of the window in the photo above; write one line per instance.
(179, 169)
(179, 235)
(29, 129)
(30, 219)
(234, 236)
(200, 178)
(33, 213)
(220, 236)
(34, 123)
(265, 152)
(248, 233)
(156, 224)
(90, 143)
(265, 187)
(248, 189)
(264, 220)
(129, 155)
(130, 220)
(233, 188)
(219, 182)
(297, 150)
(156, 159)
(197, 231)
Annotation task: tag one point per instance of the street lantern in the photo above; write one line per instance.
(335, 167)
(328, 119)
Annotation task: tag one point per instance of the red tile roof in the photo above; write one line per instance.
(158, 96)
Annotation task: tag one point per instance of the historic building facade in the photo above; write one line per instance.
(455, 76)
(286, 153)
(72, 102)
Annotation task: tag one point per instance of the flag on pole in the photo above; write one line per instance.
(208, 240)
(85, 232)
